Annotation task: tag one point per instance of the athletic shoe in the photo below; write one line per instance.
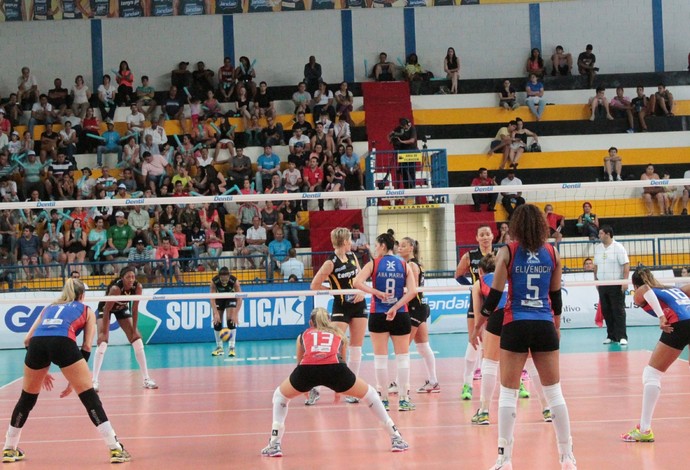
(466, 392)
(272, 450)
(349, 399)
(624, 342)
(95, 386)
(481, 417)
(568, 462)
(218, 351)
(525, 375)
(313, 397)
(398, 444)
(386, 405)
(12, 455)
(231, 352)
(393, 388)
(406, 405)
(523, 393)
(150, 384)
(119, 455)
(638, 436)
(428, 387)
(608, 341)
(548, 417)
(502, 466)
(477, 374)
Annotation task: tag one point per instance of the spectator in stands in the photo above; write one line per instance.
(301, 98)
(341, 132)
(13, 109)
(350, 164)
(588, 265)
(344, 100)
(125, 81)
(111, 144)
(511, 198)
(451, 65)
(502, 141)
(42, 112)
(7, 267)
(211, 106)
(312, 74)
(27, 89)
(203, 133)
(53, 244)
(686, 195)
(240, 168)
(303, 124)
(662, 103)
(145, 95)
(167, 257)
(562, 62)
(140, 258)
(415, 74)
(57, 170)
(323, 139)
(640, 105)
(360, 247)
(613, 164)
(267, 165)
(57, 97)
(323, 101)
(153, 169)
(272, 134)
(292, 178)
(299, 156)
(8, 225)
(181, 78)
(81, 95)
(506, 96)
(292, 267)
(226, 80)
(556, 223)
(483, 179)
(29, 252)
(503, 234)
(278, 251)
(172, 106)
(384, 71)
(535, 64)
(49, 143)
(90, 125)
(256, 242)
(649, 193)
(535, 96)
(313, 178)
(120, 235)
(404, 137)
(196, 239)
(106, 98)
(586, 62)
(135, 120)
(621, 107)
(263, 102)
(298, 137)
(599, 105)
(202, 80)
(67, 141)
(132, 152)
(588, 222)
(243, 104)
(140, 221)
(524, 134)
(245, 75)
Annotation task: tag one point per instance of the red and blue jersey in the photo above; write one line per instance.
(62, 320)
(389, 276)
(529, 282)
(674, 302)
(485, 283)
(320, 347)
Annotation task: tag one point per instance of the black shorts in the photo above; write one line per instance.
(60, 350)
(222, 304)
(419, 313)
(337, 377)
(346, 311)
(523, 336)
(494, 324)
(470, 309)
(399, 326)
(679, 337)
(119, 314)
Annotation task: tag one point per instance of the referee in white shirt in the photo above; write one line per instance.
(611, 262)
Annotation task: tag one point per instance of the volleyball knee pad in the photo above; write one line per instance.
(279, 398)
(403, 360)
(25, 404)
(507, 398)
(554, 395)
(651, 376)
(381, 362)
(94, 408)
(217, 326)
(231, 325)
(471, 353)
(489, 367)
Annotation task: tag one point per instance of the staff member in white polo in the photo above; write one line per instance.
(611, 262)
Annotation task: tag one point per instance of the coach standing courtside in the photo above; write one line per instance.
(611, 262)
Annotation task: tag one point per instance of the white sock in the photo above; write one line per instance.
(427, 354)
(561, 418)
(354, 358)
(393, 370)
(231, 341)
(536, 382)
(470, 361)
(403, 361)
(489, 379)
(140, 355)
(12, 437)
(280, 411)
(381, 370)
(219, 342)
(372, 399)
(98, 360)
(108, 435)
(507, 405)
(651, 378)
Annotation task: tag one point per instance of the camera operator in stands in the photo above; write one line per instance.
(404, 137)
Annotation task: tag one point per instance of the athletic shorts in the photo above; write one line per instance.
(346, 311)
(60, 350)
(494, 324)
(523, 336)
(419, 313)
(470, 309)
(679, 337)
(337, 377)
(399, 326)
(119, 314)
(222, 304)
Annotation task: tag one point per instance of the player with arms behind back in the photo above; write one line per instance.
(225, 282)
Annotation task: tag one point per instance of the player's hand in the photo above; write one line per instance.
(66, 391)
(358, 298)
(474, 337)
(381, 295)
(664, 325)
(390, 314)
(216, 318)
(48, 382)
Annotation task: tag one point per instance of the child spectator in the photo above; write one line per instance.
(598, 105)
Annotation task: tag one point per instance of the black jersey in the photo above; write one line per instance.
(130, 8)
(13, 10)
(100, 8)
(343, 274)
(229, 287)
(161, 8)
(70, 10)
(191, 8)
(420, 282)
(119, 306)
(476, 256)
